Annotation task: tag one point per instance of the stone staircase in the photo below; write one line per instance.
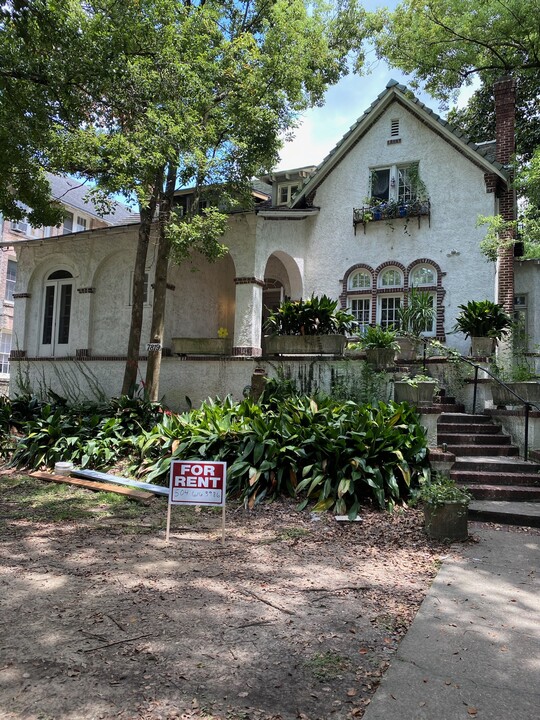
(504, 487)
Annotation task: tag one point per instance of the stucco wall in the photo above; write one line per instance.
(193, 379)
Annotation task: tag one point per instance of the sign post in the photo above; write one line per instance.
(197, 482)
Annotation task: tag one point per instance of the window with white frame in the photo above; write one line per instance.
(423, 276)
(5, 350)
(81, 224)
(11, 279)
(286, 192)
(57, 305)
(388, 306)
(361, 310)
(391, 278)
(68, 224)
(360, 280)
(394, 183)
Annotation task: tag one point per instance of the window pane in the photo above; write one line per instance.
(423, 276)
(5, 349)
(283, 194)
(389, 310)
(48, 315)
(11, 278)
(360, 310)
(64, 314)
(391, 278)
(68, 224)
(360, 281)
(380, 184)
(405, 186)
(81, 223)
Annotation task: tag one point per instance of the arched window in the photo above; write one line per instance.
(360, 280)
(57, 304)
(391, 278)
(423, 275)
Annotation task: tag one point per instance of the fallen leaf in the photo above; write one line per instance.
(351, 692)
(473, 712)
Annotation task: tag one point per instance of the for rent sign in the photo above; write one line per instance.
(196, 482)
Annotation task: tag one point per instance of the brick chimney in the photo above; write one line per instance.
(505, 113)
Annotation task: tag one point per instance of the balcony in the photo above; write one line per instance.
(391, 210)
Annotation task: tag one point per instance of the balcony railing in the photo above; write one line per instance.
(391, 211)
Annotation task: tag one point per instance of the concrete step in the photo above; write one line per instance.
(511, 493)
(458, 417)
(483, 477)
(472, 439)
(449, 407)
(496, 464)
(526, 514)
(482, 450)
(480, 428)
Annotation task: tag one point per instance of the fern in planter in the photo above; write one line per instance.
(316, 316)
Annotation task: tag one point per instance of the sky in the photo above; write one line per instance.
(323, 127)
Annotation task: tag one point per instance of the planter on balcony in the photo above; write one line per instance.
(420, 394)
(202, 346)
(529, 390)
(304, 344)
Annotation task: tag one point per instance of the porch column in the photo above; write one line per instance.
(248, 316)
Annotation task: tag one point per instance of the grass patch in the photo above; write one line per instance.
(24, 497)
(327, 666)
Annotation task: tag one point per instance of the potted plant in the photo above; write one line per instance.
(416, 390)
(446, 507)
(380, 345)
(314, 326)
(485, 322)
(415, 318)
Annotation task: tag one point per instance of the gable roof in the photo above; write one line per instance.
(482, 154)
(72, 192)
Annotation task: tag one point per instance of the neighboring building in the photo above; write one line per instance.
(81, 215)
(393, 206)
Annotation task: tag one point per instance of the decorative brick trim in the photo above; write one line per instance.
(17, 355)
(249, 281)
(82, 353)
(19, 296)
(86, 290)
(394, 141)
(245, 351)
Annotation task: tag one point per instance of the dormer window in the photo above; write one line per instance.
(286, 192)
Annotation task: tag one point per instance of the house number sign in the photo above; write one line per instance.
(153, 347)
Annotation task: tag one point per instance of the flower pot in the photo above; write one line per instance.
(202, 346)
(407, 349)
(482, 346)
(304, 344)
(421, 394)
(447, 521)
(528, 390)
(380, 357)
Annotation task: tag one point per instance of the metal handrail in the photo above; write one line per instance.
(526, 403)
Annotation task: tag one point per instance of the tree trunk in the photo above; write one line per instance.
(153, 366)
(137, 299)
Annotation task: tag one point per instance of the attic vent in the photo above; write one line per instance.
(394, 128)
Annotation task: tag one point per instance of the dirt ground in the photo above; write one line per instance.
(295, 616)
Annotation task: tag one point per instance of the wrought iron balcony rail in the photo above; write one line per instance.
(391, 210)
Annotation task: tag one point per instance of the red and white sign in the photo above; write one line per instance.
(197, 482)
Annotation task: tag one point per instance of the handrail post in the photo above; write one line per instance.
(526, 444)
(475, 387)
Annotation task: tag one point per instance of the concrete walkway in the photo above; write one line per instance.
(473, 650)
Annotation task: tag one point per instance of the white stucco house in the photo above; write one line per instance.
(313, 230)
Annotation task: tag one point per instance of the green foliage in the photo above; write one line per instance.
(338, 454)
(415, 379)
(483, 318)
(417, 316)
(443, 43)
(440, 489)
(316, 316)
(375, 336)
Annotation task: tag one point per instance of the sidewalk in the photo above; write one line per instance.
(473, 650)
